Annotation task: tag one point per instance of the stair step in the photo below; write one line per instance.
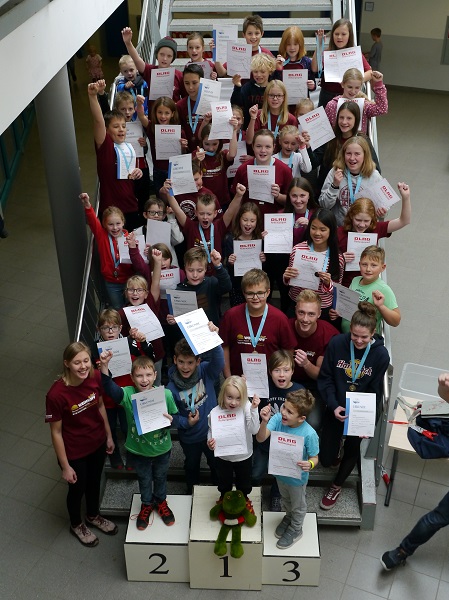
(269, 24)
(248, 6)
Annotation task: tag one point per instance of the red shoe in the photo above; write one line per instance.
(165, 513)
(249, 506)
(330, 498)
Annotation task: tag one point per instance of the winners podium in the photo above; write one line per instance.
(184, 552)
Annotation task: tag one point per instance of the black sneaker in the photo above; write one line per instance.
(165, 513)
(143, 520)
(393, 558)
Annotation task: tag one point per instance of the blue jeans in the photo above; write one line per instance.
(116, 294)
(260, 469)
(427, 526)
(152, 475)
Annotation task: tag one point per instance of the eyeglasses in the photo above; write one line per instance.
(114, 328)
(135, 290)
(258, 295)
(275, 96)
(156, 213)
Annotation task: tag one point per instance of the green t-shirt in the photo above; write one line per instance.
(153, 443)
(366, 295)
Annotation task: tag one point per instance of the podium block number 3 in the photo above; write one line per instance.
(160, 559)
(294, 570)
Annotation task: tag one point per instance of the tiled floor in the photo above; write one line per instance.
(38, 557)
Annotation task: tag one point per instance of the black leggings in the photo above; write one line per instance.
(331, 435)
(88, 471)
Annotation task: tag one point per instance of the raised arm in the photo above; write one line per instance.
(235, 205)
(97, 115)
(406, 210)
(180, 215)
(127, 36)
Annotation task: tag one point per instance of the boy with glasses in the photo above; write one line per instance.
(254, 326)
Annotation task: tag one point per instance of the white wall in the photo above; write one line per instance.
(412, 34)
(41, 46)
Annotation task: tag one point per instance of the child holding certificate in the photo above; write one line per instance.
(109, 327)
(195, 49)
(191, 382)
(280, 369)
(290, 141)
(292, 420)
(116, 159)
(321, 247)
(107, 232)
(352, 84)
(234, 436)
(341, 36)
(190, 121)
(301, 202)
(151, 451)
(361, 218)
(353, 169)
(247, 227)
(292, 54)
(353, 362)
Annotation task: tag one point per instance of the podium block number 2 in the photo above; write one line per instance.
(294, 571)
(160, 559)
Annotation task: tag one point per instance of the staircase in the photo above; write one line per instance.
(180, 17)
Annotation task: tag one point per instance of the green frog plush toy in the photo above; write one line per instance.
(232, 512)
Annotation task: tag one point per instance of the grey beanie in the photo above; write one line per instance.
(167, 42)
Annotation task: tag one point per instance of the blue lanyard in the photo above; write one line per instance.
(240, 136)
(290, 159)
(356, 374)
(319, 55)
(193, 126)
(286, 61)
(255, 340)
(276, 129)
(208, 153)
(113, 254)
(203, 239)
(190, 404)
(326, 259)
(352, 193)
(127, 162)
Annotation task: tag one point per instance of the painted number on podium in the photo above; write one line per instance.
(225, 560)
(293, 570)
(163, 559)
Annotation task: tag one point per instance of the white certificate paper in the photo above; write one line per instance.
(228, 431)
(336, 62)
(241, 150)
(180, 173)
(123, 249)
(227, 87)
(286, 451)
(361, 409)
(134, 131)
(158, 232)
(221, 128)
(255, 370)
(279, 238)
(169, 278)
(222, 34)
(381, 193)
(148, 409)
(181, 302)
(357, 242)
(162, 83)
(318, 126)
(195, 327)
(247, 256)
(308, 263)
(145, 320)
(120, 363)
(209, 91)
(168, 142)
(295, 81)
(345, 301)
(260, 180)
(239, 59)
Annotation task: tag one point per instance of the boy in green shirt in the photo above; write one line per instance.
(374, 290)
(151, 450)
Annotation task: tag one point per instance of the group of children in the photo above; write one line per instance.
(204, 227)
